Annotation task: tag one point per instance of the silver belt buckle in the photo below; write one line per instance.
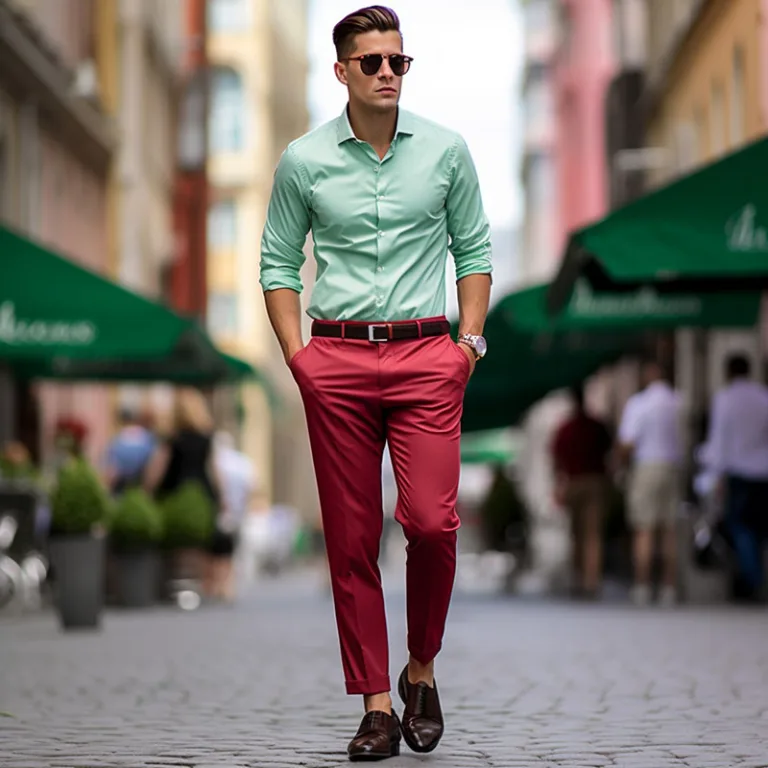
(371, 331)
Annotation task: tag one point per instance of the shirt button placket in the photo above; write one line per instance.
(380, 236)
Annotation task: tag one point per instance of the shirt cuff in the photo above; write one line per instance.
(274, 278)
(479, 265)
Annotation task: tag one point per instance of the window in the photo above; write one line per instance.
(222, 313)
(222, 225)
(700, 128)
(227, 117)
(685, 147)
(227, 15)
(737, 99)
(717, 130)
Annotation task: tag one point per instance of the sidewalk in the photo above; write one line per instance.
(259, 685)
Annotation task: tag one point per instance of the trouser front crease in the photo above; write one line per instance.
(357, 396)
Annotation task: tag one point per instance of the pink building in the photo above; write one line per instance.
(584, 67)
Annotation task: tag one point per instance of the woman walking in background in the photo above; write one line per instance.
(186, 455)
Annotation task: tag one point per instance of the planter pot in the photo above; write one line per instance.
(79, 567)
(136, 576)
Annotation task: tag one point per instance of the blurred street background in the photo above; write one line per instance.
(622, 151)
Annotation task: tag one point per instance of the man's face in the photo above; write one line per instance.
(380, 91)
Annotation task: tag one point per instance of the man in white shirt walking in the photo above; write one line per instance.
(738, 454)
(650, 438)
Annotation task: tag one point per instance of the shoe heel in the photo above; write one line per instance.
(395, 749)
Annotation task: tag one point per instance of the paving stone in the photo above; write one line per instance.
(258, 685)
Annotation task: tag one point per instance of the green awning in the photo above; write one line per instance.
(523, 367)
(59, 320)
(646, 308)
(707, 232)
(532, 354)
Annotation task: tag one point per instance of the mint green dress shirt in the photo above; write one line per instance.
(382, 229)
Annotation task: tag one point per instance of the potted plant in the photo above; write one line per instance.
(135, 531)
(79, 506)
(188, 523)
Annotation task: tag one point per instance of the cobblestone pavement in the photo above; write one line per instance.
(258, 684)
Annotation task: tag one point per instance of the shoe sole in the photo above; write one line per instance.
(403, 693)
(372, 757)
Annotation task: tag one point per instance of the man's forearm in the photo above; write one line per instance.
(284, 310)
(474, 296)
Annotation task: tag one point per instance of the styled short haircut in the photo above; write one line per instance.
(737, 366)
(375, 18)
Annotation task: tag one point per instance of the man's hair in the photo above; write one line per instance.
(375, 18)
(737, 365)
(652, 366)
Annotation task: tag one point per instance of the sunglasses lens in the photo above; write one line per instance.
(399, 65)
(370, 65)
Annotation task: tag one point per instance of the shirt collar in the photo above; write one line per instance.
(344, 130)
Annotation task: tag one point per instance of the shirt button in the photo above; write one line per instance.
(379, 269)
(381, 234)
(376, 169)
(379, 197)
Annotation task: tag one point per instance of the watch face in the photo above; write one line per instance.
(481, 347)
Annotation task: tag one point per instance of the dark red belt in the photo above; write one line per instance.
(379, 332)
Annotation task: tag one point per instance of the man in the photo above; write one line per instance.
(579, 453)
(382, 191)
(738, 454)
(650, 438)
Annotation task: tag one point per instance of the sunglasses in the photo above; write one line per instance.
(370, 63)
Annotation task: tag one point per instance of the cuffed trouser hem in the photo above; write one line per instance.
(423, 658)
(369, 687)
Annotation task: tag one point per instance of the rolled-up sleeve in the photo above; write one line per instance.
(468, 225)
(286, 228)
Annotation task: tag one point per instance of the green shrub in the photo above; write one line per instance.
(188, 517)
(79, 502)
(136, 521)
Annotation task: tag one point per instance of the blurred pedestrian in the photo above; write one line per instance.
(186, 455)
(383, 192)
(580, 450)
(128, 453)
(238, 482)
(738, 455)
(650, 440)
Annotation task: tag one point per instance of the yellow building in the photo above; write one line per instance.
(257, 54)
(706, 96)
(707, 68)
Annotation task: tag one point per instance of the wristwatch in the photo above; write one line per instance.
(477, 344)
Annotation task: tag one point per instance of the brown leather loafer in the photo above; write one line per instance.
(377, 738)
(423, 718)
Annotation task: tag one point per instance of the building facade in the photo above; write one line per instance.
(57, 143)
(187, 286)
(539, 166)
(583, 72)
(257, 105)
(705, 97)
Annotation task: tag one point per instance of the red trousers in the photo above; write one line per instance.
(358, 395)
